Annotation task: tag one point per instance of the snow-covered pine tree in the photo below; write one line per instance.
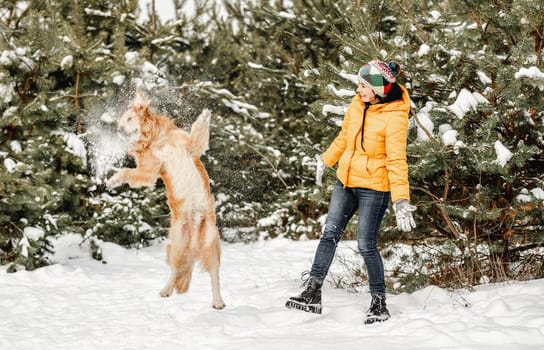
(277, 76)
(40, 184)
(58, 63)
(276, 151)
(478, 154)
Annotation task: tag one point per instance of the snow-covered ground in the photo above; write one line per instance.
(80, 303)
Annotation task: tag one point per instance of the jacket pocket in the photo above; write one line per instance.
(363, 165)
(375, 166)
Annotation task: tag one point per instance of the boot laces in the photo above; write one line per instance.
(377, 305)
(305, 278)
(310, 285)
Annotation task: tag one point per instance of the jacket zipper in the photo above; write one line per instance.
(354, 149)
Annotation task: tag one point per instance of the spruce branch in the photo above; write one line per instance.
(275, 169)
(416, 25)
(440, 203)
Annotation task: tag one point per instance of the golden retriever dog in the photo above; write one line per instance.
(165, 151)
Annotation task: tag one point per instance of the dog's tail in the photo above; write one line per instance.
(183, 277)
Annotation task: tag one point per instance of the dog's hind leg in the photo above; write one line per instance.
(217, 301)
(169, 287)
(174, 255)
(210, 262)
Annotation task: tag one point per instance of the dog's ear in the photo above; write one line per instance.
(140, 102)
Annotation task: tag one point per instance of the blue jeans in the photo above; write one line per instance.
(344, 203)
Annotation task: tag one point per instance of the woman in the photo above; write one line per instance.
(372, 169)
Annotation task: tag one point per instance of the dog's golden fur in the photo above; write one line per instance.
(165, 151)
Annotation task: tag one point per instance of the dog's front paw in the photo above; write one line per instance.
(166, 292)
(115, 180)
(205, 117)
(219, 305)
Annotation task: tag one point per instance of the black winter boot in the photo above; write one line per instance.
(377, 312)
(309, 300)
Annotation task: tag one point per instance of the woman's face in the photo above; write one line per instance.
(367, 94)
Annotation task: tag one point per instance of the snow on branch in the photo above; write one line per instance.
(338, 110)
(532, 73)
(503, 153)
(74, 145)
(98, 13)
(425, 125)
(465, 102)
(340, 92)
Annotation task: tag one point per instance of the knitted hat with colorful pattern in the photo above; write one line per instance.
(379, 75)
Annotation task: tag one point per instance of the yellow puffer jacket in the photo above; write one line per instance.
(381, 165)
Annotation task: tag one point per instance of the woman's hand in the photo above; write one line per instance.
(320, 168)
(403, 213)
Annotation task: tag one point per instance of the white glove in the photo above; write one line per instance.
(403, 213)
(320, 168)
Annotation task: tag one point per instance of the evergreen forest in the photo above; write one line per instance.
(277, 76)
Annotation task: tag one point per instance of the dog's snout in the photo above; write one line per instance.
(122, 131)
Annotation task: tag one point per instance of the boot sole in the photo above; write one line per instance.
(376, 319)
(312, 308)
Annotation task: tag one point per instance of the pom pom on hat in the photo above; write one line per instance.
(379, 75)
